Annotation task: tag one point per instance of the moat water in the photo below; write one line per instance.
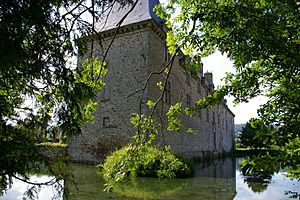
(219, 180)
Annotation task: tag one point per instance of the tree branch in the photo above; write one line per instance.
(51, 182)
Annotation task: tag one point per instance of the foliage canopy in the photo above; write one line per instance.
(42, 90)
(262, 37)
(255, 134)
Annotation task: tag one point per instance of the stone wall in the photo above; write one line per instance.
(127, 71)
(137, 51)
(214, 126)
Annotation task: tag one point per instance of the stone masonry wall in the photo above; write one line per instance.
(136, 52)
(127, 70)
(211, 137)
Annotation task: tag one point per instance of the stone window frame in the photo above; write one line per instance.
(106, 122)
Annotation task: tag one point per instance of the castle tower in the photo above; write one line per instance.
(138, 49)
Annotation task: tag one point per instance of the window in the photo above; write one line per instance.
(106, 122)
(199, 87)
(182, 62)
(218, 118)
(207, 114)
(188, 78)
(105, 93)
(200, 114)
(166, 54)
(213, 117)
(167, 93)
(188, 100)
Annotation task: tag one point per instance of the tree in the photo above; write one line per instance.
(255, 134)
(246, 137)
(39, 89)
(262, 38)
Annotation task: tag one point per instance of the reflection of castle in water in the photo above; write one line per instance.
(219, 176)
(223, 168)
(214, 181)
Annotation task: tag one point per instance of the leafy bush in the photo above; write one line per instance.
(143, 160)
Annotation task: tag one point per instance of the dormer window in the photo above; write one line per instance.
(182, 61)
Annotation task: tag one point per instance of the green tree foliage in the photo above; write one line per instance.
(142, 158)
(262, 38)
(246, 137)
(255, 134)
(40, 89)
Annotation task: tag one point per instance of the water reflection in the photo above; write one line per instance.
(213, 181)
(221, 179)
(22, 190)
(257, 181)
(275, 186)
(222, 168)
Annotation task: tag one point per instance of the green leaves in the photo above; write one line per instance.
(173, 116)
(142, 160)
(91, 70)
(256, 134)
(150, 103)
(262, 38)
(147, 129)
(42, 90)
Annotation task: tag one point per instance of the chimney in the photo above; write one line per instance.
(209, 77)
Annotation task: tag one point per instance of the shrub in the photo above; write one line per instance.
(143, 160)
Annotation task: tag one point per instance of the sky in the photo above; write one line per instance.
(219, 64)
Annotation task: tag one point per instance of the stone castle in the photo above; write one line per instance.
(138, 49)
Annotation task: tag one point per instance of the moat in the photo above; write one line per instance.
(221, 179)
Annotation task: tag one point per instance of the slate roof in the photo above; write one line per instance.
(143, 11)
